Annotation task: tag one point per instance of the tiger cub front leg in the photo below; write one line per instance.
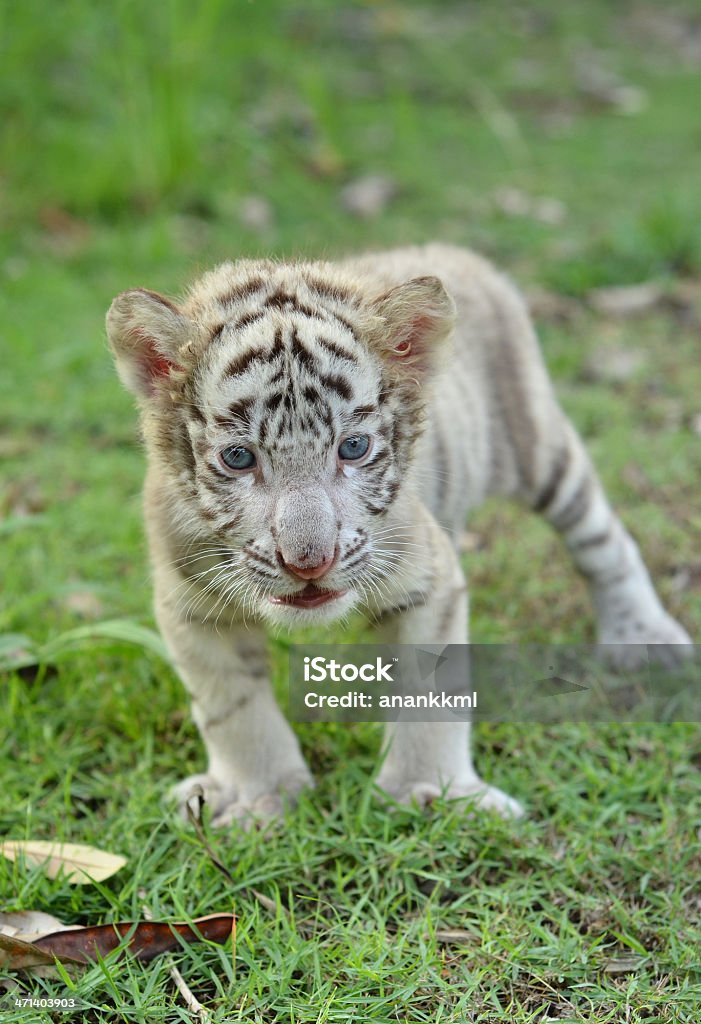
(255, 763)
(425, 760)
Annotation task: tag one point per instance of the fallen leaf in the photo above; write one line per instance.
(613, 364)
(551, 306)
(515, 203)
(549, 210)
(18, 955)
(512, 201)
(28, 925)
(369, 196)
(603, 87)
(627, 300)
(146, 939)
(79, 864)
(256, 213)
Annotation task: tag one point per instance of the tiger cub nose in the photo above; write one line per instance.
(308, 572)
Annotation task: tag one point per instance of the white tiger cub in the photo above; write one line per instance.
(316, 434)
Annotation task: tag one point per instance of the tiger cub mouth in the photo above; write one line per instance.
(311, 597)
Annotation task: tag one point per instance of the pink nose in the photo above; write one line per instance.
(310, 572)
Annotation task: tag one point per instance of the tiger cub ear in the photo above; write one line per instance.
(145, 331)
(415, 318)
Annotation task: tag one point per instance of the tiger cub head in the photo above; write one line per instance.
(280, 405)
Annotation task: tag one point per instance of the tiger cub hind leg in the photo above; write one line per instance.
(539, 458)
(629, 613)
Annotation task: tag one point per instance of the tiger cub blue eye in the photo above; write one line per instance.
(237, 458)
(353, 447)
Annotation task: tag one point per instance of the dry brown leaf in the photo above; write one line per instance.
(626, 300)
(76, 945)
(147, 939)
(193, 1004)
(17, 955)
(79, 864)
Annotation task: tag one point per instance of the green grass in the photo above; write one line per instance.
(130, 136)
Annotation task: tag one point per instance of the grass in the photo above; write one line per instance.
(130, 137)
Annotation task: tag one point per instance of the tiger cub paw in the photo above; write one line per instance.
(247, 814)
(203, 787)
(239, 805)
(636, 642)
(480, 795)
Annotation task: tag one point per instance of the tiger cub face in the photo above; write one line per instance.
(280, 408)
